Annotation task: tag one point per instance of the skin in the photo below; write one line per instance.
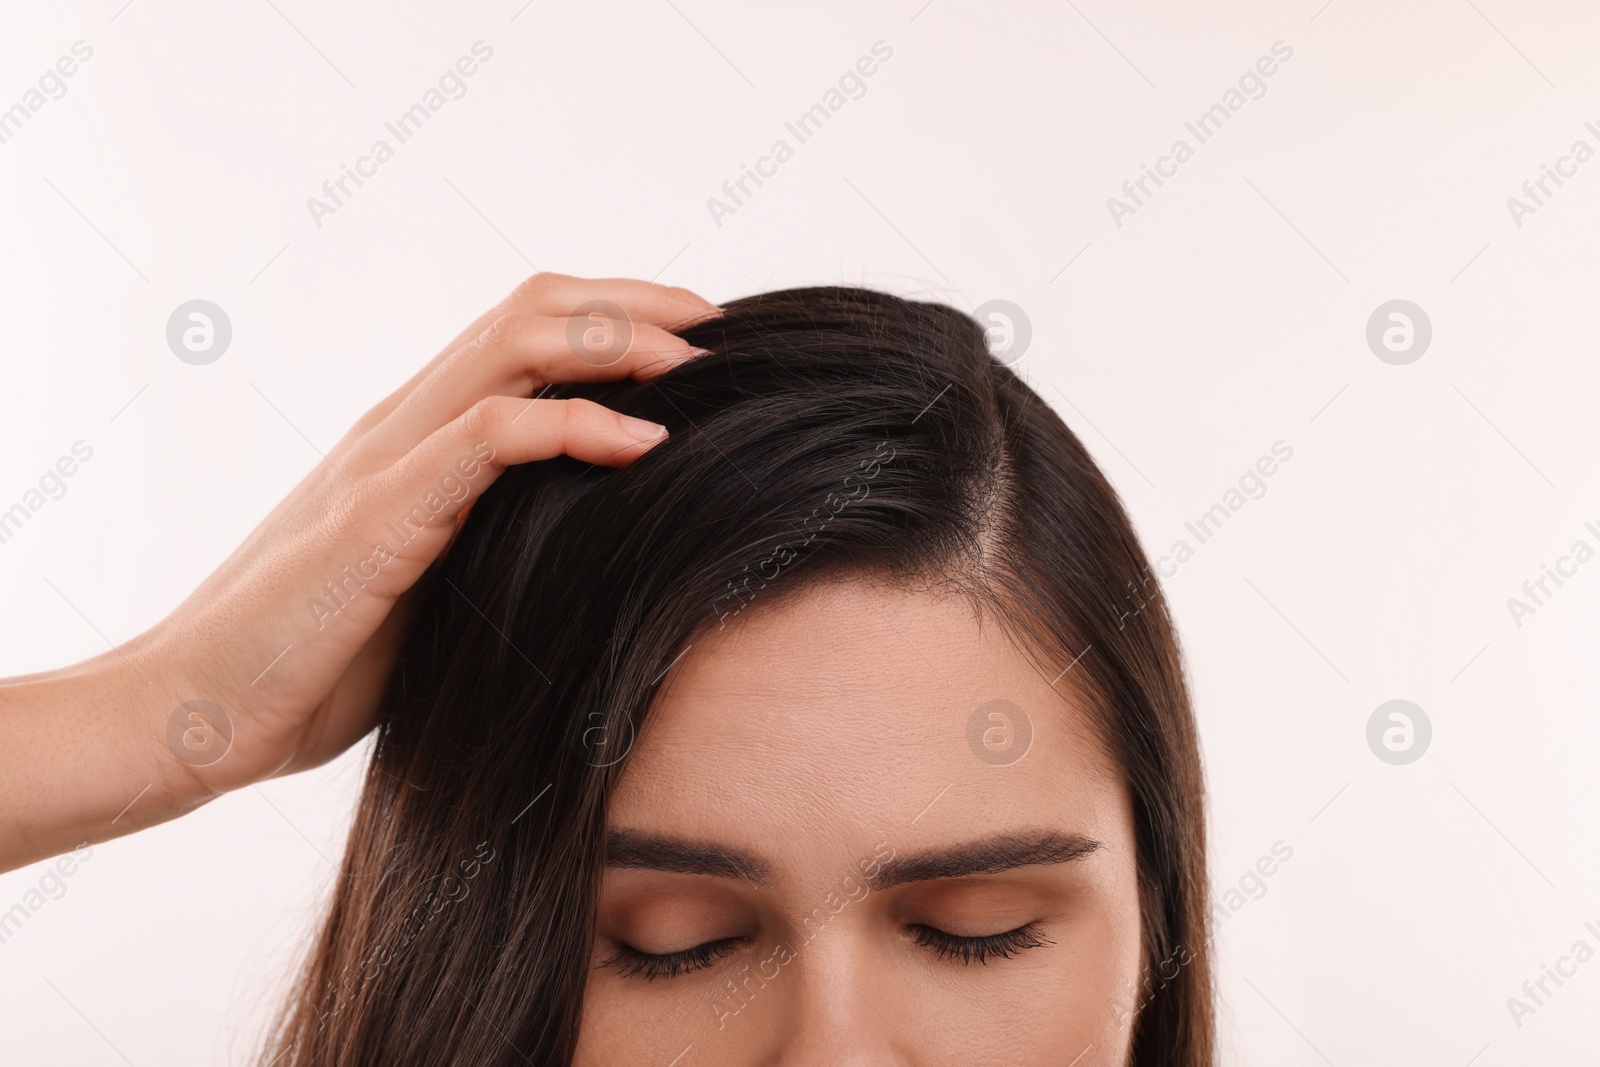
(88, 752)
(823, 738)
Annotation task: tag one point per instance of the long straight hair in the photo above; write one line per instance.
(460, 929)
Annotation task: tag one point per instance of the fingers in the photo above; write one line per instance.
(439, 479)
(559, 294)
(521, 431)
(516, 356)
(562, 296)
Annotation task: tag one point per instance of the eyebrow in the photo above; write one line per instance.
(651, 852)
(994, 854)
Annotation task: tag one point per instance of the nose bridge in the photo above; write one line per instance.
(840, 1007)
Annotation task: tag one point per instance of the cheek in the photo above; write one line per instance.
(636, 1022)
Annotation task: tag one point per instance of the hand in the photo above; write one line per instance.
(277, 660)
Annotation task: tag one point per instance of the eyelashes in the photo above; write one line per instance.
(980, 949)
(630, 962)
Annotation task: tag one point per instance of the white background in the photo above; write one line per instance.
(1228, 313)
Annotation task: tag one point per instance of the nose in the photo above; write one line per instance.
(842, 1008)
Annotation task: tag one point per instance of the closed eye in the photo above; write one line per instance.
(630, 962)
(966, 949)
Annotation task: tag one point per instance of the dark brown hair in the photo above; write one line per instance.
(460, 931)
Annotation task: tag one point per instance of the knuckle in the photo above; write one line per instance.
(543, 281)
(579, 416)
(360, 428)
(484, 418)
(506, 330)
(569, 414)
(347, 509)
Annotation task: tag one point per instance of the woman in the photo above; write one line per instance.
(842, 725)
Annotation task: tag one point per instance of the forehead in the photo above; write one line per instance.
(856, 711)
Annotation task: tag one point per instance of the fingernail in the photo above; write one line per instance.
(696, 352)
(643, 429)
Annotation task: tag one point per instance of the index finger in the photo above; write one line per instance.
(561, 295)
(547, 293)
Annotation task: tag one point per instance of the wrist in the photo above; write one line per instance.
(171, 736)
(84, 758)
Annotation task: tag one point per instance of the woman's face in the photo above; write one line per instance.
(825, 850)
